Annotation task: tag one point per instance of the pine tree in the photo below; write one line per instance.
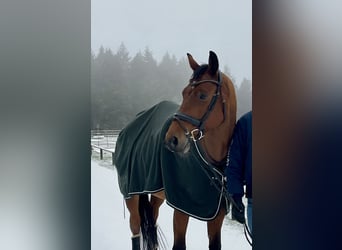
(121, 87)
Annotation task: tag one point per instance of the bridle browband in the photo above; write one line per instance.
(198, 132)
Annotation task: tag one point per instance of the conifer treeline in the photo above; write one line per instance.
(122, 86)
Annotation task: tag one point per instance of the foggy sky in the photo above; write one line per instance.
(178, 27)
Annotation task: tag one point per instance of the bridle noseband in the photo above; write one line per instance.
(198, 133)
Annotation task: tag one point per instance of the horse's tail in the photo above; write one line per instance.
(148, 224)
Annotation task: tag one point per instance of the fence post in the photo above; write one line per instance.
(101, 153)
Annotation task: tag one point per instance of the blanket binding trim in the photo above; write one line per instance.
(198, 217)
(143, 192)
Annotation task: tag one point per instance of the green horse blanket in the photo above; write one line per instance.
(144, 165)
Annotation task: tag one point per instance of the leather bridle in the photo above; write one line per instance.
(198, 133)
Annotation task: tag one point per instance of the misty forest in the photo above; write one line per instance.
(122, 86)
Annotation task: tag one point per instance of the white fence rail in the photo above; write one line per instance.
(104, 141)
(104, 138)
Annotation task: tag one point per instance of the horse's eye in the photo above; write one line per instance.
(202, 96)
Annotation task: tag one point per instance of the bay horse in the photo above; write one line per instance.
(178, 153)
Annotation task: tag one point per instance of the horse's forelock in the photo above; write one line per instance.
(199, 71)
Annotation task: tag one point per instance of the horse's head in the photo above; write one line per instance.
(208, 108)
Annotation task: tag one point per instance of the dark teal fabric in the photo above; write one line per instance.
(144, 165)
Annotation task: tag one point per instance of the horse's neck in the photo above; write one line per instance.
(215, 143)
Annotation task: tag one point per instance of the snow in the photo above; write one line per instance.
(110, 218)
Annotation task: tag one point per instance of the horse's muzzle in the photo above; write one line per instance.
(173, 144)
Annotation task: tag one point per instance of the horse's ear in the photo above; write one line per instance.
(193, 64)
(213, 63)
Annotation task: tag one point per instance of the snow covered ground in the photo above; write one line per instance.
(110, 219)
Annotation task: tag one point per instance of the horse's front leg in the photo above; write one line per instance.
(134, 220)
(214, 230)
(180, 224)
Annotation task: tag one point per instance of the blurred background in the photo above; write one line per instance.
(45, 106)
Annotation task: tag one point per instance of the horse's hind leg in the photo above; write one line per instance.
(180, 224)
(134, 220)
(214, 230)
(156, 203)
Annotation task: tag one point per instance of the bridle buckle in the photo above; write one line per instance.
(196, 134)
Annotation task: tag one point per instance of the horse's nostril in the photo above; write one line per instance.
(174, 141)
